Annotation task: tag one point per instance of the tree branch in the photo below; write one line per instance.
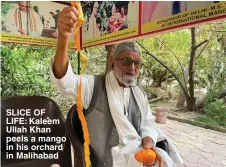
(193, 40)
(182, 70)
(200, 44)
(218, 30)
(170, 70)
(101, 51)
(204, 47)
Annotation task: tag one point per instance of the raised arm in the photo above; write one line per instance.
(67, 21)
(61, 73)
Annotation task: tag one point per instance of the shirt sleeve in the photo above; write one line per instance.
(10, 22)
(148, 127)
(39, 25)
(68, 84)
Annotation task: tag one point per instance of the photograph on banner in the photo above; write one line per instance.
(157, 15)
(30, 22)
(109, 20)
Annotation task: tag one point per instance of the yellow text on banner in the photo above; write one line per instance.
(210, 11)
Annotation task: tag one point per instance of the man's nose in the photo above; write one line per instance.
(132, 66)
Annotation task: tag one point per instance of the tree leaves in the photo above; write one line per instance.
(25, 70)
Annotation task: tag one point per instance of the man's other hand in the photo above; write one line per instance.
(147, 142)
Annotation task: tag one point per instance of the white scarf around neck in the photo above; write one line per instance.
(129, 139)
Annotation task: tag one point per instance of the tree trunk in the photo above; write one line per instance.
(191, 106)
(172, 72)
(158, 77)
(110, 52)
(181, 98)
(192, 63)
(189, 96)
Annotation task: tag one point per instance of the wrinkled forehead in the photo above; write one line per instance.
(128, 54)
(127, 48)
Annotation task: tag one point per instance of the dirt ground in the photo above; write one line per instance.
(173, 111)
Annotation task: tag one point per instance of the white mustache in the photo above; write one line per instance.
(130, 73)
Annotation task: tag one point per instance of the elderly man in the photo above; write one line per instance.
(23, 20)
(118, 116)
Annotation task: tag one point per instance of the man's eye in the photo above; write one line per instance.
(128, 61)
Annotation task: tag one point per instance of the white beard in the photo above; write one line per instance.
(125, 79)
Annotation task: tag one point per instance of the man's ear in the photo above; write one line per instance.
(112, 66)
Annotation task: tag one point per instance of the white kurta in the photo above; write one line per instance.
(129, 140)
(12, 28)
(68, 87)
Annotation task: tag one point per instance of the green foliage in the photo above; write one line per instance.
(211, 64)
(215, 110)
(207, 120)
(210, 97)
(211, 72)
(210, 69)
(5, 6)
(25, 70)
(216, 76)
(97, 59)
(215, 113)
(168, 47)
(103, 6)
(73, 55)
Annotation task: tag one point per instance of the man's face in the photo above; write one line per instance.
(24, 6)
(126, 67)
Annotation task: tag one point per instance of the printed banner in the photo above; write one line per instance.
(109, 21)
(106, 22)
(170, 14)
(31, 22)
